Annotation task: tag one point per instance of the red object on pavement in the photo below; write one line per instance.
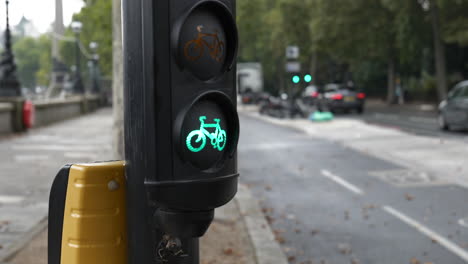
(337, 97)
(361, 95)
(29, 114)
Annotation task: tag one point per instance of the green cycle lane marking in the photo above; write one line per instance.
(217, 138)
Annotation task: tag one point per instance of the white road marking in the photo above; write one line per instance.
(449, 245)
(270, 146)
(56, 147)
(9, 199)
(31, 157)
(342, 182)
(80, 155)
(463, 222)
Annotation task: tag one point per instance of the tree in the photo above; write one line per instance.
(33, 60)
(439, 50)
(96, 17)
(363, 37)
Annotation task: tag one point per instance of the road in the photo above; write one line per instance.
(328, 203)
(411, 120)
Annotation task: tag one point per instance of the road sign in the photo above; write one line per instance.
(293, 67)
(181, 123)
(292, 52)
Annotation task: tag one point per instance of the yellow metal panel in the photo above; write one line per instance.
(94, 223)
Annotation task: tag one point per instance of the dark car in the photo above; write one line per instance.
(338, 97)
(453, 112)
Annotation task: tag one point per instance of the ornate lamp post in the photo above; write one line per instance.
(94, 68)
(9, 84)
(78, 87)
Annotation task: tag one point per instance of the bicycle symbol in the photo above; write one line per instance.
(195, 48)
(218, 137)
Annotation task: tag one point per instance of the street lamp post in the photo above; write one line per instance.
(9, 84)
(78, 87)
(94, 66)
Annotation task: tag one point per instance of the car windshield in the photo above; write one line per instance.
(310, 89)
(332, 87)
(464, 92)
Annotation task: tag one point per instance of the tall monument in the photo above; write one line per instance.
(9, 84)
(59, 69)
(58, 29)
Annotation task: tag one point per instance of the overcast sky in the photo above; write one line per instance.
(41, 12)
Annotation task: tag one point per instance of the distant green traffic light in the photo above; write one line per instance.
(308, 78)
(296, 79)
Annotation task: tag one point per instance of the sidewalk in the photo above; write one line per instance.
(239, 233)
(29, 164)
(428, 160)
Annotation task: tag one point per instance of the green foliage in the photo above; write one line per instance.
(96, 17)
(33, 60)
(361, 36)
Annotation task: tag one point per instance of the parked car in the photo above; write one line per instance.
(310, 95)
(339, 97)
(453, 112)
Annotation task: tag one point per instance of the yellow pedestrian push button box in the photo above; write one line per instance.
(87, 215)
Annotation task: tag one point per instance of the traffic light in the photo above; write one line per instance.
(296, 79)
(181, 123)
(307, 78)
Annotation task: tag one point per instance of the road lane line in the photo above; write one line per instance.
(342, 182)
(463, 222)
(452, 247)
(10, 199)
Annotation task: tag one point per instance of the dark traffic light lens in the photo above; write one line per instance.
(207, 41)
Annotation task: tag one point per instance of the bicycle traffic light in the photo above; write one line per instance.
(296, 79)
(181, 123)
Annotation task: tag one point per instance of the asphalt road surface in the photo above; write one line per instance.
(417, 122)
(326, 205)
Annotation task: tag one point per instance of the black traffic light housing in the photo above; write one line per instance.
(181, 123)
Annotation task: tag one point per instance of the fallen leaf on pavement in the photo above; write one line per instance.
(415, 261)
(314, 232)
(344, 249)
(228, 251)
(409, 197)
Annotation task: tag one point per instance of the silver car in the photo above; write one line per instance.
(453, 112)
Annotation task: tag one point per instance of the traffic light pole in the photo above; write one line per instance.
(181, 123)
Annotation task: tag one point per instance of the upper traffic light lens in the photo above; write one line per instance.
(207, 41)
(296, 79)
(308, 78)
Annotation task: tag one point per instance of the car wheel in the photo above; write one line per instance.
(360, 110)
(442, 122)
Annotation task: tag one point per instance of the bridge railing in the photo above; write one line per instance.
(46, 111)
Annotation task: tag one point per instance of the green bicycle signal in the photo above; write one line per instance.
(217, 138)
